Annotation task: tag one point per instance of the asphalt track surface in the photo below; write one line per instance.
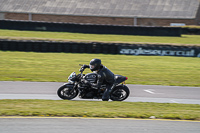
(139, 93)
(143, 93)
(88, 125)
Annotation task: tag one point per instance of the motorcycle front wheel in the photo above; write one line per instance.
(66, 93)
(119, 93)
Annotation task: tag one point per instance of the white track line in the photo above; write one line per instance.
(150, 91)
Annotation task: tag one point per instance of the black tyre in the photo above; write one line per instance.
(65, 93)
(119, 93)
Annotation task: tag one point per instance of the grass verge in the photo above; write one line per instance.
(65, 108)
(56, 67)
(66, 36)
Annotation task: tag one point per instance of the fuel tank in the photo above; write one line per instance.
(91, 77)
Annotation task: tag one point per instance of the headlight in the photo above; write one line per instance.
(72, 77)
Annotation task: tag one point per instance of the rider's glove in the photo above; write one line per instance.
(83, 68)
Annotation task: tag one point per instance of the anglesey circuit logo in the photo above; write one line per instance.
(159, 52)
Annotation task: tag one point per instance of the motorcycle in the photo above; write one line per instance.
(80, 84)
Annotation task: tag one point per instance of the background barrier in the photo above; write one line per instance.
(97, 47)
(190, 31)
(89, 28)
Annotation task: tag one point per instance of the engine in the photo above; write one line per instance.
(86, 92)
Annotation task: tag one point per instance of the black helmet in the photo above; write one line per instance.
(95, 64)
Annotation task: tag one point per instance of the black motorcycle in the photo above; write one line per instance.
(81, 84)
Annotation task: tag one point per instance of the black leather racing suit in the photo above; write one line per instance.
(105, 76)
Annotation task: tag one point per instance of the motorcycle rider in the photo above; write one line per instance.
(104, 76)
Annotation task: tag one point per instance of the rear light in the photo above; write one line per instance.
(126, 78)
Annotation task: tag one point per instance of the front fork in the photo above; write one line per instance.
(71, 87)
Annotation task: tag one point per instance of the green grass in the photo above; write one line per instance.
(157, 70)
(191, 26)
(65, 36)
(56, 67)
(98, 109)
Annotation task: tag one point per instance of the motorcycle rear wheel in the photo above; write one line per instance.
(64, 93)
(119, 93)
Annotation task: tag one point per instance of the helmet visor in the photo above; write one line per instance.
(92, 66)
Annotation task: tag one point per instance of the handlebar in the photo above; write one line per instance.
(83, 66)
